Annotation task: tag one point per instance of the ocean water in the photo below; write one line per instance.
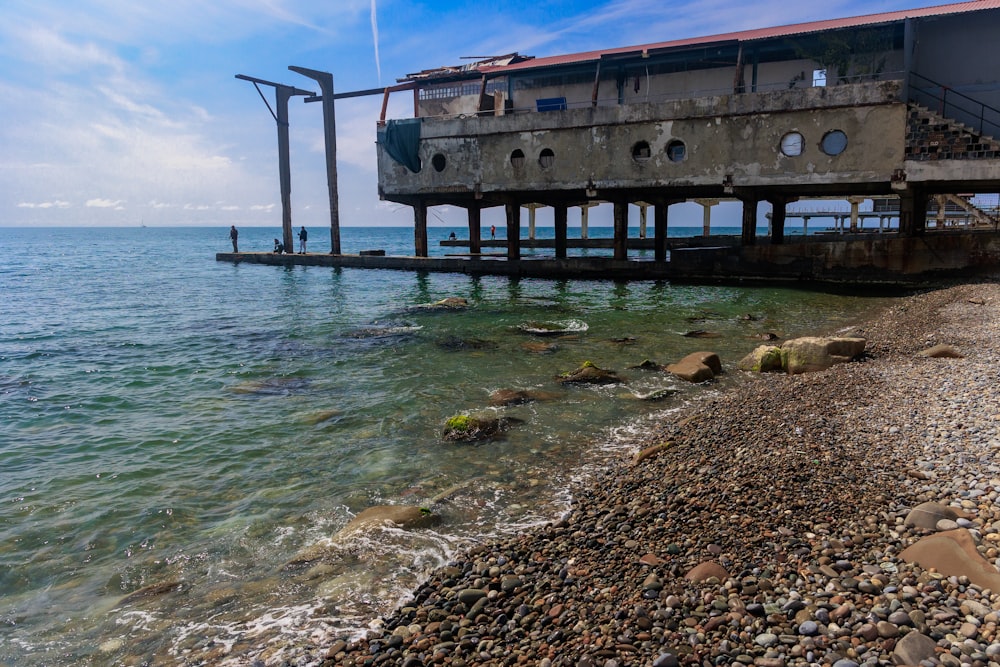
(175, 431)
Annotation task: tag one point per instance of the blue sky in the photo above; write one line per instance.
(121, 112)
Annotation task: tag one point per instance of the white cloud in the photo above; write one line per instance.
(45, 205)
(104, 203)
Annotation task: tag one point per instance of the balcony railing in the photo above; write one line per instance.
(949, 103)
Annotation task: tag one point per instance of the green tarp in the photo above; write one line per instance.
(401, 139)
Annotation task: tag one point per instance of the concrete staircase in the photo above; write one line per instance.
(930, 136)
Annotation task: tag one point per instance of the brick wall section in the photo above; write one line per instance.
(931, 137)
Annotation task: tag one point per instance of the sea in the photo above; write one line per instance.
(176, 431)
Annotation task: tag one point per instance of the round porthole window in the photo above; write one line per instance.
(641, 151)
(834, 142)
(676, 151)
(517, 158)
(546, 158)
(791, 144)
(438, 162)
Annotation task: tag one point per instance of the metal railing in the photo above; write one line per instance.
(950, 103)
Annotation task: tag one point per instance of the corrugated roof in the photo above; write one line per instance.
(751, 35)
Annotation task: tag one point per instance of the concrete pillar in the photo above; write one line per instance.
(475, 228)
(778, 210)
(706, 215)
(584, 217)
(642, 218)
(561, 213)
(621, 230)
(749, 221)
(420, 229)
(912, 212)
(660, 231)
(940, 200)
(855, 206)
(531, 219)
(513, 230)
(805, 225)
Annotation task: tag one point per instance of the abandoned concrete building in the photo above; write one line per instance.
(900, 108)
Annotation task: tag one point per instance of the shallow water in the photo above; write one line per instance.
(166, 419)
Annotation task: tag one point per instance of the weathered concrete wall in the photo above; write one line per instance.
(730, 135)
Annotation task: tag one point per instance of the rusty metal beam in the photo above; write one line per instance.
(282, 94)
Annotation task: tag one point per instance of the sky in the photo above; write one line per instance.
(126, 112)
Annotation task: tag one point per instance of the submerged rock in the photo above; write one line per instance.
(506, 397)
(588, 373)
(455, 344)
(700, 333)
(406, 517)
(467, 428)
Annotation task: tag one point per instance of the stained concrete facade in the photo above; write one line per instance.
(900, 104)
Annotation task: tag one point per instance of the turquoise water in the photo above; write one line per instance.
(166, 419)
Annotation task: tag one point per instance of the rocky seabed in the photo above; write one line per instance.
(764, 526)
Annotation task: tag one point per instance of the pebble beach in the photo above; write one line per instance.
(766, 527)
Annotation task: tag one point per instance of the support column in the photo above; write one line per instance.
(749, 221)
(941, 218)
(420, 229)
(805, 225)
(706, 215)
(660, 231)
(584, 217)
(642, 218)
(475, 228)
(325, 81)
(531, 219)
(912, 212)
(513, 210)
(855, 206)
(621, 230)
(778, 210)
(561, 213)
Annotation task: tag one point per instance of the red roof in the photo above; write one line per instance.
(761, 33)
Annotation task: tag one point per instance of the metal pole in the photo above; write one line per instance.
(325, 81)
(282, 93)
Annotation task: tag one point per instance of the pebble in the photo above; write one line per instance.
(796, 486)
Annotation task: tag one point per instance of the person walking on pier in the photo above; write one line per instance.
(303, 235)
(233, 236)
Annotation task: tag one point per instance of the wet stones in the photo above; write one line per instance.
(697, 367)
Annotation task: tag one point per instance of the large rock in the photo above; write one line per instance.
(697, 367)
(764, 359)
(941, 351)
(588, 373)
(805, 355)
(953, 553)
(913, 649)
(705, 571)
(926, 515)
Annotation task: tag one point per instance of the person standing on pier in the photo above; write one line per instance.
(303, 235)
(233, 236)
(493, 231)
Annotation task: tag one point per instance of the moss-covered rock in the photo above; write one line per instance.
(471, 428)
(808, 354)
(589, 373)
(764, 359)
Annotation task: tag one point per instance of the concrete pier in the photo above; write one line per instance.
(848, 260)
